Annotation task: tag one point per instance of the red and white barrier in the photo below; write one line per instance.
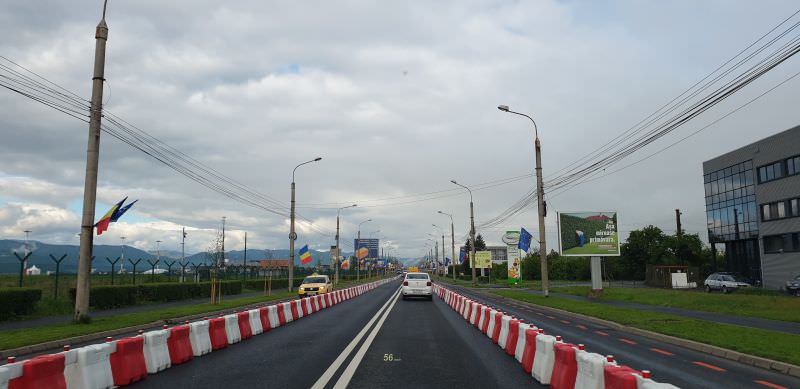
(156, 351)
(232, 328)
(565, 366)
(490, 319)
(9, 372)
(245, 332)
(521, 340)
(511, 338)
(44, 371)
(272, 314)
(644, 382)
(473, 312)
(620, 377)
(497, 327)
(217, 333)
(179, 345)
(90, 367)
(254, 315)
(287, 312)
(544, 358)
(503, 335)
(199, 338)
(590, 370)
(263, 314)
(127, 362)
(529, 353)
(307, 306)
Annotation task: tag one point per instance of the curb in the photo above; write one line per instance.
(736, 356)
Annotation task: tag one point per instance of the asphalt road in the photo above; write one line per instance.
(378, 340)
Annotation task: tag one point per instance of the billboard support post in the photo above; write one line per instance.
(597, 277)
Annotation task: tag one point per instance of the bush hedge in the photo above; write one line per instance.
(18, 301)
(276, 283)
(105, 297)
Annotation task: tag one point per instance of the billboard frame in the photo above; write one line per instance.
(560, 245)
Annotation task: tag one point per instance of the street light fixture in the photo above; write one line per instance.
(292, 234)
(471, 232)
(444, 256)
(338, 250)
(542, 205)
(358, 244)
(452, 241)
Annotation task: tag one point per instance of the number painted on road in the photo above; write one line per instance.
(388, 357)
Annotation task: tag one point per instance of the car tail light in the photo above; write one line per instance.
(405, 283)
(429, 283)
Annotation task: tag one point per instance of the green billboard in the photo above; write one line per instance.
(590, 234)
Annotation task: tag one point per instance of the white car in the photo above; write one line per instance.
(726, 282)
(417, 285)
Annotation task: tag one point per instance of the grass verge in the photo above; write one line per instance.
(768, 344)
(40, 334)
(765, 306)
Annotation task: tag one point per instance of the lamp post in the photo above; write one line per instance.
(444, 256)
(435, 252)
(540, 199)
(452, 242)
(122, 256)
(338, 253)
(292, 234)
(471, 232)
(358, 244)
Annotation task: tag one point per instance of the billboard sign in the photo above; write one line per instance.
(483, 259)
(370, 244)
(589, 234)
(511, 239)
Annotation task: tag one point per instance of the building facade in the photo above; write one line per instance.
(752, 199)
(499, 253)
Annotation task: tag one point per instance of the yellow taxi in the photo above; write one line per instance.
(315, 284)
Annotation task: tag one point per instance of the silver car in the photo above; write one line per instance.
(726, 282)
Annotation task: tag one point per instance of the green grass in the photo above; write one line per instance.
(25, 337)
(774, 306)
(593, 248)
(768, 344)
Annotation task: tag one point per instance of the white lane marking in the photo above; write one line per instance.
(328, 374)
(348, 373)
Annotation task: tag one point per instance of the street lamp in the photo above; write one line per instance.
(358, 244)
(471, 232)
(540, 199)
(292, 234)
(452, 242)
(338, 251)
(444, 256)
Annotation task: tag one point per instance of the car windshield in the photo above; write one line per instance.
(417, 276)
(740, 278)
(314, 280)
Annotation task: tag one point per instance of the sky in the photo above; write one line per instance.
(398, 98)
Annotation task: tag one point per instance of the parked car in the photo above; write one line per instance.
(726, 282)
(793, 286)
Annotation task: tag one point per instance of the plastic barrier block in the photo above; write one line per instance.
(465, 307)
(287, 312)
(90, 366)
(179, 345)
(304, 308)
(490, 319)
(293, 310)
(521, 341)
(511, 338)
(322, 303)
(529, 352)
(156, 351)
(263, 313)
(480, 317)
(315, 303)
(245, 332)
(127, 363)
(282, 314)
(274, 316)
(216, 332)
(487, 313)
(254, 316)
(498, 318)
(232, 328)
(590, 370)
(565, 368)
(44, 371)
(619, 377)
(199, 338)
(328, 299)
(503, 338)
(544, 358)
(9, 372)
(647, 383)
(299, 308)
(473, 313)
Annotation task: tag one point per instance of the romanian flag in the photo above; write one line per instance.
(346, 264)
(102, 224)
(305, 256)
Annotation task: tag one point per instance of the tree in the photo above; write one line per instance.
(480, 245)
(642, 247)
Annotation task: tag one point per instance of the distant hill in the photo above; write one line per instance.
(42, 251)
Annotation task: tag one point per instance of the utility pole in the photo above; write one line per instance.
(542, 205)
(183, 254)
(338, 248)
(90, 182)
(472, 233)
(222, 260)
(678, 222)
(292, 234)
(678, 232)
(244, 262)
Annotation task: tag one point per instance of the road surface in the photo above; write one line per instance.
(378, 340)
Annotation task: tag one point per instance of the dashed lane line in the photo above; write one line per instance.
(583, 327)
(628, 341)
(601, 333)
(710, 367)
(770, 384)
(662, 352)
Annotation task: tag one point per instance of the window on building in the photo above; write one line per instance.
(781, 209)
(765, 215)
(782, 243)
(793, 166)
(793, 207)
(771, 172)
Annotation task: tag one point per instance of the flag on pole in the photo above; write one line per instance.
(346, 264)
(121, 210)
(462, 255)
(102, 224)
(305, 256)
(524, 240)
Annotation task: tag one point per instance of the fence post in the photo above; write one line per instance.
(183, 270)
(196, 267)
(22, 265)
(134, 268)
(112, 267)
(58, 267)
(169, 269)
(153, 269)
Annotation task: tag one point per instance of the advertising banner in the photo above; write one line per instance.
(483, 259)
(511, 239)
(589, 234)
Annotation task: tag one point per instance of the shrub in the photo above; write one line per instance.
(18, 301)
(105, 297)
(108, 296)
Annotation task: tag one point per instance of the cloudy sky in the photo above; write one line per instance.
(397, 97)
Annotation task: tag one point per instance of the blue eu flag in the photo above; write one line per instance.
(524, 240)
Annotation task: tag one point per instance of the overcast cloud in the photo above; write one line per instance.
(397, 97)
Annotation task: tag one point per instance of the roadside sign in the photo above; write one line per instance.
(483, 259)
(590, 234)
